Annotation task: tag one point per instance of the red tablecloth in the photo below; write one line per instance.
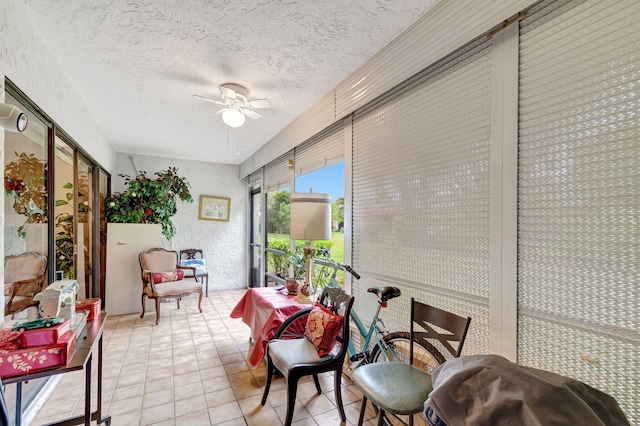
(264, 309)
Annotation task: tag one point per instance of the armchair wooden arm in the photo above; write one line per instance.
(189, 268)
(18, 286)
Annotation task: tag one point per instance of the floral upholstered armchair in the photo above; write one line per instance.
(163, 277)
(24, 277)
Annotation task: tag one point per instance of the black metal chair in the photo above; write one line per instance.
(402, 389)
(296, 358)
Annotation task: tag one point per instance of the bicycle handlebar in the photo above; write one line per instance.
(351, 271)
(335, 265)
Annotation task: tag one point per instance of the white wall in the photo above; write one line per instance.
(26, 60)
(224, 243)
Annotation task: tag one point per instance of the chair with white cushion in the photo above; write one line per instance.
(322, 348)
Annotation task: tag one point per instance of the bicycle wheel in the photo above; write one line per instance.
(293, 327)
(425, 355)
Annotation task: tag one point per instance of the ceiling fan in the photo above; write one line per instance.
(238, 105)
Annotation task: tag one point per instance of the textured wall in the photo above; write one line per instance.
(28, 62)
(224, 243)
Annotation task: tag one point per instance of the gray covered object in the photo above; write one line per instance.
(490, 390)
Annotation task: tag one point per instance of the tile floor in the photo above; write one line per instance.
(192, 370)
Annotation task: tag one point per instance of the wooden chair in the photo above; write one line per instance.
(196, 254)
(296, 358)
(161, 278)
(400, 388)
(24, 277)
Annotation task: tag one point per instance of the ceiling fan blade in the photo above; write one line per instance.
(228, 92)
(259, 103)
(251, 113)
(209, 100)
(221, 111)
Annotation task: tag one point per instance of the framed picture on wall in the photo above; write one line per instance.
(214, 208)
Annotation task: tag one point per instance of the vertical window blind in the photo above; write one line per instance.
(277, 174)
(579, 195)
(322, 151)
(421, 193)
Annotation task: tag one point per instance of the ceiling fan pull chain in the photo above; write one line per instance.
(237, 141)
(227, 137)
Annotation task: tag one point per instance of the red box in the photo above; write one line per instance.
(45, 336)
(91, 305)
(28, 360)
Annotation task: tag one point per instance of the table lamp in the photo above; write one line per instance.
(310, 220)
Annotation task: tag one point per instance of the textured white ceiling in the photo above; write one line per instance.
(137, 63)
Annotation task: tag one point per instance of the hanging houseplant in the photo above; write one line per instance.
(150, 200)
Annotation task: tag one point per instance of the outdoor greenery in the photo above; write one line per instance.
(278, 216)
(25, 180)
(64, 225)
(150, 200)
(279, 264)
(279, 212)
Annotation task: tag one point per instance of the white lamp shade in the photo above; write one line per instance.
(233, 118)
(310, 217)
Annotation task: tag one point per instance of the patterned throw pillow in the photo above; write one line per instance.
(322, 329)
(163, 277)
(199, 264)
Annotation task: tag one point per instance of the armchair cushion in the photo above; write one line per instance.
(163, 277)
(322, 329)
(172, 288)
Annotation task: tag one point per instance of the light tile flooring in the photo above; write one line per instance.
(191, 369)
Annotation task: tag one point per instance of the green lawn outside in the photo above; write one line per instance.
(337, 249)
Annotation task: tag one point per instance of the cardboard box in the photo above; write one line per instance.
(92, 306)
(45, 336)
(28, 360)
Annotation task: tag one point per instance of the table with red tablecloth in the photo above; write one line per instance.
(264, 309)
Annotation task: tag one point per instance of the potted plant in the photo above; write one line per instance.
(64, 226)
(297, 263)
(25, 180)
(149, 200)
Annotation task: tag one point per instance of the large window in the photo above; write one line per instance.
(278, 207)
(329, 180)
(25, 187)
(49, 179)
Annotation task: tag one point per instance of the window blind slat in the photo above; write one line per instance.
(421, 192)
(579, 192)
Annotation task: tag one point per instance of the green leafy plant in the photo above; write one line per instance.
(276, 263)
(149, 200)
(64, 226)
(298, 263)
(25, 179)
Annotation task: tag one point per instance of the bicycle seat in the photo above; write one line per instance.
(385, 293)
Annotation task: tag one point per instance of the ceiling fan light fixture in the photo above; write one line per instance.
(233, 118)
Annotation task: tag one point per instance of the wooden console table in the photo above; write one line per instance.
(81, 359)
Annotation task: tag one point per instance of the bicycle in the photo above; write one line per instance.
(385, 345)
